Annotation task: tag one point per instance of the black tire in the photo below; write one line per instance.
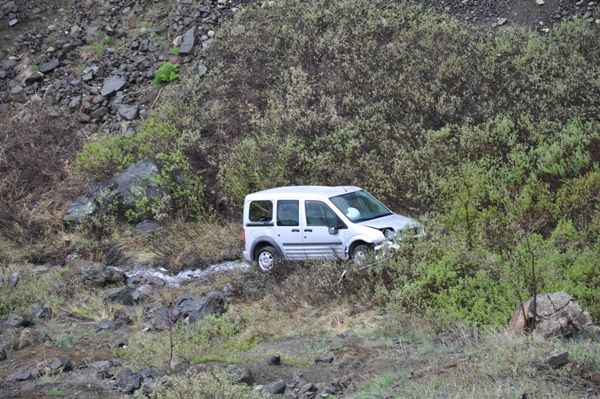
(359, 253)
(265, 259)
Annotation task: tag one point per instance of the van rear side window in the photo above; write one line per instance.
(261, 211)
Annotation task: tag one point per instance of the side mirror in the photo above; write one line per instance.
(333, 230)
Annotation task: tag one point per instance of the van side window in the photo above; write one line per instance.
(287, 213)
(260, 211)
(319, 214)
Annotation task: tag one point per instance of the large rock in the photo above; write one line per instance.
(556, 315)
(49, 66)
(126, 111)
(194, 308)
(138, 180)
(79, 210)
(112, 85)
(187, 43)
(276, 388)
(128, 381)
(100, 276)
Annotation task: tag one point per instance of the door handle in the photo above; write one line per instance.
(309, 230)
(295, 230)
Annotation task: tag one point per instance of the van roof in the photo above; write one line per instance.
(301, 192)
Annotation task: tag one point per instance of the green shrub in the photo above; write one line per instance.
(166, 73)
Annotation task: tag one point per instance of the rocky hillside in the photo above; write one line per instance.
(98, 59)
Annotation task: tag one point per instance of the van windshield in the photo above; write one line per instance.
(360, 206)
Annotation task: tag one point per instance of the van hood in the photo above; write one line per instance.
(395, 221)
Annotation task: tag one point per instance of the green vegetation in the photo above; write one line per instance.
(167, 72)
(34, 68)
(175, 51)
(98, 48)
(56, 393)
(156, 140)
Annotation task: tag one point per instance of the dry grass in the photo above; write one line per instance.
(181, 245)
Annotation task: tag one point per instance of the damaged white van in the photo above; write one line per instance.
(319, 222)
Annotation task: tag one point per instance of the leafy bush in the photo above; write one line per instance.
(156, 140)
(166, 73)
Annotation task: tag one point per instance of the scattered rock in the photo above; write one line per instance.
(30, 337)
(556, 315)
(146, 227)
(202, 69)
(83, 207)
(13, 22)
(112, 85)
(105, 325)
(120, 295)
(21, 376)
(34, 77)
(501, 21)
(128, 381)
(42, 312)
(128, 112)
(187, 43)
(241, 374)
(122, 316)
(558, 360)
(274, 360)
(3, 355)
(143, 293)
(277, 387)
(49, 66)
(60, 365)
(18, 321)
(13, 279)
(101, 364)
(540, 2)
(100, 276)
(194, 308)
(324, 359)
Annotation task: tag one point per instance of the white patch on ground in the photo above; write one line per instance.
(175, 280)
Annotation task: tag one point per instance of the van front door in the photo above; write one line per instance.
(318, 242)
(288, 230)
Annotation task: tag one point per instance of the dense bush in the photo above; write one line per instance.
(492, 137)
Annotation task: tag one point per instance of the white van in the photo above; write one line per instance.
(318, 222)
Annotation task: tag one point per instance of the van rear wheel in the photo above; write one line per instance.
(265, 259)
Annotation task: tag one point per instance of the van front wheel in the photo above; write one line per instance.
(359, 253)
(265, 259)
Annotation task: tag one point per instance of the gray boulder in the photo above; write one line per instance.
(187, 43)
(128, 381)
(13, 279)
(194, 308)
(99, 275)
(112, 85)
(128, 112)
(49, 66)
(276, 388)
(79, 210)
(146, 227)
(137, 180)
(556, 315)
